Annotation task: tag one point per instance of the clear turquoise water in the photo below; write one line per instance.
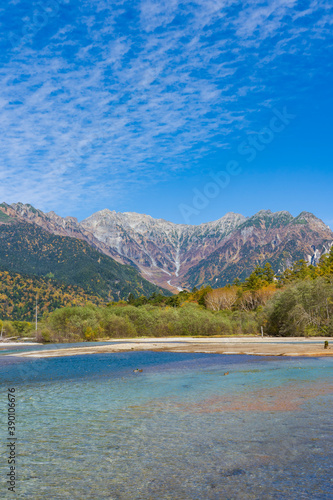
(91, 428)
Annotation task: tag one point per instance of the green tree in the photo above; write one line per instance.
(302, 308)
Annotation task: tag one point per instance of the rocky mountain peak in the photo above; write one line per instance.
(263, 213)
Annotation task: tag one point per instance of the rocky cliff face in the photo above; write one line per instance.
(177, 255)
(277, 238)
(163, 251)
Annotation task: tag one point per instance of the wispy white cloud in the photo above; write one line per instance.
(125, 93)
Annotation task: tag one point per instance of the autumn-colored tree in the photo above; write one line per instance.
(221, 298)
(251, 299)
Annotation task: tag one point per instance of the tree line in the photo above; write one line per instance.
(299, 302)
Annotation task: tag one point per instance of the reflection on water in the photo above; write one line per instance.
(90, 427)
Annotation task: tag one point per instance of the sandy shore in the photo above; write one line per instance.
(267, 346)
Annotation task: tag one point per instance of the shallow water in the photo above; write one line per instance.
(89, 427)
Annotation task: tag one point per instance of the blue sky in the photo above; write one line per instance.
(141, 105)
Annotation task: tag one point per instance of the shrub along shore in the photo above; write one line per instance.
(297, 303)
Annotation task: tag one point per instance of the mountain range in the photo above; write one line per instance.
(178, 256)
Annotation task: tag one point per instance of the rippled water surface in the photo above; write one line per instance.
(89, 427)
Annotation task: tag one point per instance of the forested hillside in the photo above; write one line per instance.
(18, 296)
(30, 250)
